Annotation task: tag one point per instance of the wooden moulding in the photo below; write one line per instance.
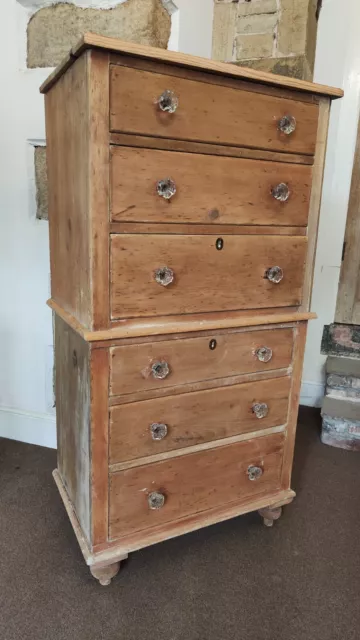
(91, 40)
(183, 324)
(110, 552)
(186, 146)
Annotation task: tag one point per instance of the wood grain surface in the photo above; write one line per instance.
(205, 279)
(207, 113)
(195, 418)
(209, 189)
(194, 483)
(192, 359)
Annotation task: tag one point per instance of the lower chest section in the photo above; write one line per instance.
(180, 427)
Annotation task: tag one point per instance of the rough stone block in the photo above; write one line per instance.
(293, 67)
(41, 183)
(257, 23)
(257, 7)
(341, 340)
(53, 30)
(347, 408)
(254, 46)
(223, 31)
(341, 433)
(292, 31)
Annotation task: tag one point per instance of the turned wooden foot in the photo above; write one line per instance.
(269, 515)
(105, 573)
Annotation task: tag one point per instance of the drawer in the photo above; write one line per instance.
(188, 360)
(159, 275)
(151, 495)
(165, 186)
(163, 424)
(208, 112)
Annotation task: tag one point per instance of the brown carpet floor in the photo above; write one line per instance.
(237, 580)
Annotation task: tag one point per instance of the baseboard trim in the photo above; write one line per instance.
(312, 394)
(26, 426)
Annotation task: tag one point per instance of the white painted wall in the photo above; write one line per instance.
(25, 321)
(338, 64)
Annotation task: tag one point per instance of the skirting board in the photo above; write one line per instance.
(312, 393)
(40, 428)
(25, 426)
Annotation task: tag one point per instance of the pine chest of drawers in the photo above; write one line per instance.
(183, 203)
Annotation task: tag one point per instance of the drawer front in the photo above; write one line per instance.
(208, 112)
(188, 360)
(193, 483)
(165, 186)
(159, 275)
(164, 424)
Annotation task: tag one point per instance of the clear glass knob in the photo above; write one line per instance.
(160, 369)
(274, 274)
(254, 472)
(260, 409)
(168, 101)
(264, 354)
(166, 188)
(281, 192)
(164, 276)
(287, 124)
(158, 430)
(156, 500)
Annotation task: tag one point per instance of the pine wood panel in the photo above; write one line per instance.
(206, 279)
(193, 483)
(315, 199)
(192, 360)
(167, 144)
(207, 113)
(194, 418)
(90, 40)
(140, 328)
(208, 189)
(67, 134)
(99, 435)
(73, 411)
(77, 123)
(203, 229)
(299, 351)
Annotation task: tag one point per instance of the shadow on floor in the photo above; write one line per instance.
(234, 581)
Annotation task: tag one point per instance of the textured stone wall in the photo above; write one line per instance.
(270, 35)
(41, 183)
(53, 30)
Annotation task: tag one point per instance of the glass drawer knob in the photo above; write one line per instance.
(164, 276)
(287, 124)
(156, 500)
(260, 409)
(254, 472)
(264, 354)
(274, 274)
(160, 369)
(158, 430)
(168, 101)
(166, 188)
(281, 192)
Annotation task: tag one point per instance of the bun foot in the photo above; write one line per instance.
(106, 573)
(269, 515)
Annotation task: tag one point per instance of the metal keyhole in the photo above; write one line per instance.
(212, 344)
(219, 244)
